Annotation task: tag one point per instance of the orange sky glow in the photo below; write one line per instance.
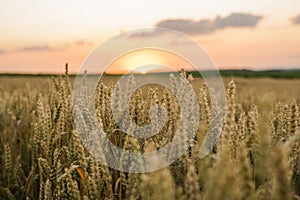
(40, 37)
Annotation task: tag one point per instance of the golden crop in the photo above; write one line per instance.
(42, 157)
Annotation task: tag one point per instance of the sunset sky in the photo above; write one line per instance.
(40, 36)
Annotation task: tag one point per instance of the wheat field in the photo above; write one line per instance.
(257, 156)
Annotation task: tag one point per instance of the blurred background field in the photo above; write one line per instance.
(257, 87)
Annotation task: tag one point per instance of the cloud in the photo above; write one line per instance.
(80, 42)
(47, 48)
(187, 26)
(205, 26)
(144, 34)
(83, 43)
(238, 20)
(2, 51)
(296, 19)
(38, 48)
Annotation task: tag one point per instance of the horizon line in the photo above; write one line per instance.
(138, 73)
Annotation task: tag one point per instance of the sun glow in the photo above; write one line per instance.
(141, 58)
(147, 60)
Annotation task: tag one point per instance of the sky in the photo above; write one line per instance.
(41, 36)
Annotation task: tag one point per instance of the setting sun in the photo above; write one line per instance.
(148, 60)
(140, 58)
